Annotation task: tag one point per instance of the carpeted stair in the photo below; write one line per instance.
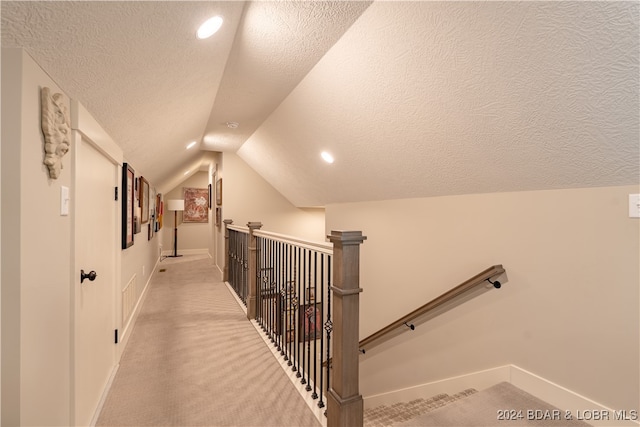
(384, 416)
(501, 405)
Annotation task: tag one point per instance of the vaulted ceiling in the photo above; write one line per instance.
(413, 99)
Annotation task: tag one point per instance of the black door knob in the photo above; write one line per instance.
(91, 275)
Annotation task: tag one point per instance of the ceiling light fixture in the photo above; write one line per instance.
(191, 144)
(233, 125)
(186, 172)
(327, 157)
(209, 27)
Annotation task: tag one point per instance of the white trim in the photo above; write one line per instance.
(235, 296)
(204, 251)
(563, 398)
(83, 122)
(554, 394)
(103, 398)
(322, 247)
(123, 338)
(311, 403)
(477, 380)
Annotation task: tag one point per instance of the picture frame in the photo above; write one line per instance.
(159, 211)
(144, 200)
(195, 205)
(310, 322)
(210, 189)
(219, 192)
(310, 295)
(218, 216)
(128, 205)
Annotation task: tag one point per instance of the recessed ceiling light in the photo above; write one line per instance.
(209, 27)
(327, 157)
(191, 144)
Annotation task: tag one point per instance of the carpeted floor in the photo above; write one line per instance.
(193, 359)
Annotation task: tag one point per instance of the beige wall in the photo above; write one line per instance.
(248, 197)
(569, 311)
(37, 265)
(138, 260)
(190, 235)
(36, 242)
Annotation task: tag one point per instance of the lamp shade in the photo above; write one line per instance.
(175, 205)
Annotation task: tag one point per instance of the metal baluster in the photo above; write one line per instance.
(296, 338)
(321, 293)
(328, 325)
(259, 281)
(308, 313)
(272, 286)
(314, 395)
(302, 325)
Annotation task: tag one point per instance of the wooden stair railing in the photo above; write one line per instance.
(448, 296)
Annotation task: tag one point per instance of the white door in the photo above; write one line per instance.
(94, 317)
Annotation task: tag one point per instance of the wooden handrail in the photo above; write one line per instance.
(448, 296)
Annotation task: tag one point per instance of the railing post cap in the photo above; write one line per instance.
(254, 225)
(228, 221)
(346, 237)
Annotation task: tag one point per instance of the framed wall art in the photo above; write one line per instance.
(310, 321)
(196, 205)
(128, 205)
(219, 192)
(144, 200)
(210, 195)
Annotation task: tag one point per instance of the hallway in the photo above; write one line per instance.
(194, 359)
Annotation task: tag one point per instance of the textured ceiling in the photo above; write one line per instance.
(435, 98)
(414, 99)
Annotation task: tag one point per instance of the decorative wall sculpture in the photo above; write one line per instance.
(56, 127)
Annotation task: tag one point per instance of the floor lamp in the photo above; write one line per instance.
(175, 206)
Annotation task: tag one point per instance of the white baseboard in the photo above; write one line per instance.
(478, 380)
(105, 393)
(579, 407)
(202, 251)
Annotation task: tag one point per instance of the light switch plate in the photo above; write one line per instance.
(634, 205)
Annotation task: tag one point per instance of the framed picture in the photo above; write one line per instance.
(128, 205)
(310, 317)
(144, 200)
(310, 295)
(196, 205)
(210, 195)
(218, 216)
(219, 192)
(137, 227)
(158, 211)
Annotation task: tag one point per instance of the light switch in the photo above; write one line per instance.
(64, 201)
(634, 205)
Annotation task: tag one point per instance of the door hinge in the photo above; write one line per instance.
(116, 336)
(116, 194)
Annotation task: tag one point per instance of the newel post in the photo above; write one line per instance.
(253, 270)
(344, 402)
(225, 270)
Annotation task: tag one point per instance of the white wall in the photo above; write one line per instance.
(570, 309)
(36, 267)
(191, 236)
(248, 197)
